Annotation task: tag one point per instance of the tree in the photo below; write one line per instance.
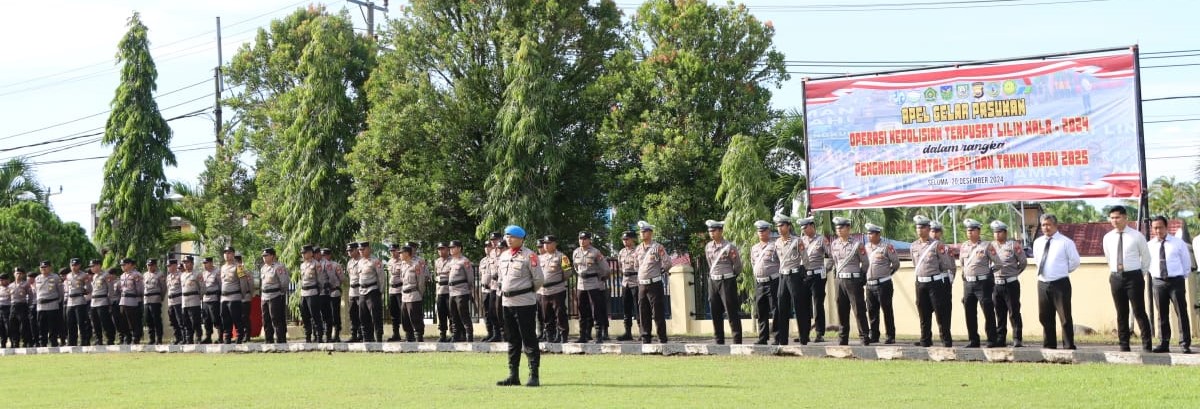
(30, 232)
(133, 206)
(697, 74)
(18, 182)
(222, 202)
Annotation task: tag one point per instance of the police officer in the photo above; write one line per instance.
(191, 284)
(935, 231)
(370, 309)
(724, 267)
(275, 283)
(22, 295)
(553, 293)
(653, 264)
(883, 263)
(104, 295)
(488, 284)
(232, 280)
(5, 308)
(541, 316)
(520, 278)
(764, 259)
(331, 317)
(48, 290)
(250, 288)
(593, 269)
(412, 278)
(443, 290)
(396, 289)
(850, 262)
(175, 301)
(155, 285)
(817, 259)
(312, 302)
(78, 286)
(795, 296)
(132, 289)
(352, 257)
(212, 299)
(977, 258)
(462, 278)
(627, 258)
(930, 263)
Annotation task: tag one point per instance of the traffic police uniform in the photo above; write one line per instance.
(849, 263)
(765, 261)
(724, 267)
(978, 285)
(795, 296)
(883, 262)
(520, 278)
(930, 263)
(817, 260)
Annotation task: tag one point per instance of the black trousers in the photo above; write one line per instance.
(231, 312)
(1166, 292)
(652, 311)
(413, 320)
(310, 312)
(879, 297)
(1007, 298)
(103, 324)
(355, 318)
(1055, 298)
(20, 329)
(370, 312)
(442, 310)
(244, 323)
(48, 322)
(850, 293)
(132, 316)
(5, 312)
(274, 318)
(541, 317)
(332, 317)
(521, 335)
(766, 303)
(154, 325)
(395, 307)
(593, 310)
(212, 318)
(816, 286)
(933, 302)
(491, 319)
(554, 309)
(175, 315)
(1129, 290)
(723, 299)
(979, 293)
(193, 319)
(460, 317)
(79, 325)
(795, 297)
(629, 304)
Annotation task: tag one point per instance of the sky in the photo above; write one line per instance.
(57, 71)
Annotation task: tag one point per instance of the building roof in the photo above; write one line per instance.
(1089, 237)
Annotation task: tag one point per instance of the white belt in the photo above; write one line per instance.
(819, 271)
(971, 279)
(938, 277)
(879, 281)
(790, 271)
(765, 279)
(723, 277)
(1005, 280)
(650, 281)
(849, 275)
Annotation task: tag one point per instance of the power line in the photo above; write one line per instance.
(1170, 98)
(57, 161)
(93, 137)
(941, 5)
(1172, 120)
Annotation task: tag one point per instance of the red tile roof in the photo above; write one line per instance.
(1089, 237)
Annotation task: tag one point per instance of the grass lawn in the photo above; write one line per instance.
(354, 380)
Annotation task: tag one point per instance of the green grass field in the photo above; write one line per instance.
(354, 380)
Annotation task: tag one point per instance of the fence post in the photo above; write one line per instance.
(683, 300)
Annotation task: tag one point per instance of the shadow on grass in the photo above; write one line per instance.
(631, 386)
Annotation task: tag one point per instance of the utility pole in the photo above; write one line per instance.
(218, 85)
(371, 7)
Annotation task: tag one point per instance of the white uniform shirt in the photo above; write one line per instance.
(1062, 259)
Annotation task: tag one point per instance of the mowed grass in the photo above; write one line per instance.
(356, 380)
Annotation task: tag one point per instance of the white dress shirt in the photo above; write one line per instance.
(1137, 256)
(1179, 261)
(1062, 259)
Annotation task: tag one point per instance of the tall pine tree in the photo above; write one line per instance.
(133, 207)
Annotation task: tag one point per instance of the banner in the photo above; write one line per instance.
(1058, 129)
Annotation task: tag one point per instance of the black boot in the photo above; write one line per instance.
(443, 337)
(627, 336)
(584, 336)
(512, 379)
(601, 335)
(533, 373)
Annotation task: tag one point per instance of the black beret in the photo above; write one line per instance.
(456, 243)
(440, 245)
(629, 234)
(585, 235)
(229, 249)
(271, 251)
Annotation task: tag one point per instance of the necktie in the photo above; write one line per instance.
(1162, 260)
(1120, 252)
(1045, 258)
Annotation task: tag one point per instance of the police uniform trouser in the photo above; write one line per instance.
(850, 294)
(310, 312)
(816, 285)
(629, 303)
(79, 326)
(521, 335)
(231, 312)
(652, 310)
(554, 308)
(212, 318)
(132, 316)
(766, 304)
(154, 320)
(980, 293)
(193, 323)
(355, 318)
(460, 317)
(20, 329)
(244, 323)
(1129, 290)
(412, 319)
(274, 317)
(1007, 298)
(490, 318)
(443, 312)
(593, 311)
(102, 324)
(369, 310)
(795, 297)
(395, 309)
(933, 301)
(4, 314)
(879, 297)
(1055, 298)
(333, 316)
(723, 299)
(1172, 290)
(175, 315)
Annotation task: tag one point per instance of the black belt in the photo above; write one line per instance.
(152, 294)
(410, 290)
(310, 287)
(190, 293)
(231, 292)
(555, 283)
(629, 273)
(447, 282)
(518, 292)
(218, 292)
(397, 285)
(47, 300)
(458, 282)
(588, 275)
(354, 286)
(132, 295)
(176, 295)
(271, 291)
(76, 295)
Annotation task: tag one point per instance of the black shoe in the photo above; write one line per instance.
(512, 379)
(973, 344)
(1017, 344)
(443, 338)
(889, 341)
(796, 340)
(533, 376)
(720, 341)
(819, 338)
(1187, 349)
(1161, 349)
(625, 337)
(843, 341)
(866, 341)
(1124, 348)
(647, 340)
(394, 338)
(1072, 346)
(994, 344)
(760, 342)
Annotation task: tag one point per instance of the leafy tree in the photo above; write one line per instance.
(133, 206)
(18, 182)
(30, 232)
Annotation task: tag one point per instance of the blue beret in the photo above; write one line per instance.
(515, 231)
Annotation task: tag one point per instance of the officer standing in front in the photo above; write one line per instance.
(1057, 258)
(817, 258)
(352, 257)
(520, 278)
(977, 257)
(275, 282)
(155, 287)
(849, 263)
(627, 258)
(1170, 264)
(78, 286)
(653, 265)
(795, 297)
(103, 295)
(331, 317)
(412, 277)
(443, 290)
(1128, 260)
(724, 267)
(21, 295)
(462, 277)
(764, 260)
(879, 288)
(593, 270)
(930, 263)
(1008, 263)
(48, 287)
(371, 276)
(131, 300)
